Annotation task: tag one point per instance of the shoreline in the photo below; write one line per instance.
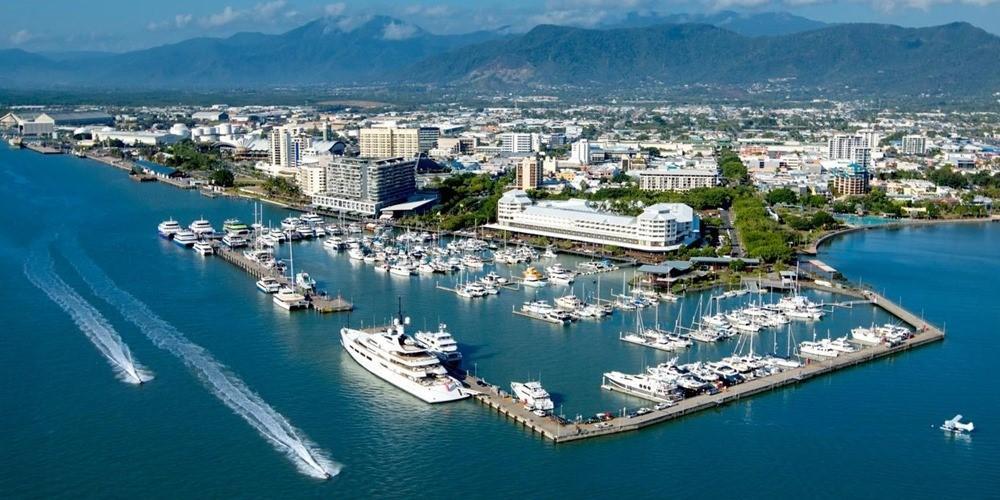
(813, 249)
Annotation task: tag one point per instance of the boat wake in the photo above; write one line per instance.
(40, 271)
(226, 386)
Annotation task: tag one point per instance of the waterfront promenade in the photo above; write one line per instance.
(561, 431)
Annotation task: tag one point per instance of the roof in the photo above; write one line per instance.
(722, 260)
(666, 267)
(410, 205)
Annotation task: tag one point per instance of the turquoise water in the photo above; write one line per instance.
(72, 428)
(864, 220)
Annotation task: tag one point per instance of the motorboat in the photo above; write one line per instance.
(203, 248)
(305, 282)
(202, 228)
(185, 238)
(441, 343)
(268, 284)
(290, 300)
(533, 278)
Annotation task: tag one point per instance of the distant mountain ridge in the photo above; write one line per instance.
(883, 58)
(744, 23)
(955, 59)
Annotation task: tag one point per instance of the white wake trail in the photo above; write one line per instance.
(40, 271)
(226, 386)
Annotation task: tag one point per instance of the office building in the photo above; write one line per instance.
(427, 138)
(529, 173)
(661, 227)
(366, 185)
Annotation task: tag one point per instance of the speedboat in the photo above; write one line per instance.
(168, 228)
(185, 238)
(305, 282)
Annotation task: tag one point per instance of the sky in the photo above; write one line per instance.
(122, 25)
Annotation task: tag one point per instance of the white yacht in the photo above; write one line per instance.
(305, 282)
(202, 228)
(400, 269)
(185, 238)
(533, 396)
(533, 278)
(203, 248)
(312, 218)
(818, 349)
(441, 343)
(168, 228)
(289, 299)
(655, 388)
(396, 358)
(268, 284)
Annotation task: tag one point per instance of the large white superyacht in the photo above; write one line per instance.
(396, 358)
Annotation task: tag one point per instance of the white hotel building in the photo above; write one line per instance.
(659, 228)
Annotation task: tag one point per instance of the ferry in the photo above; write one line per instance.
(168, 228)
(203, 248)
(235, 227)
(185, 238)
(442, 344)
(393, 356)
(534, 397)
(202, 227)
(268, 284)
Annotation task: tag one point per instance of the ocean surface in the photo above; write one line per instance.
(237, 383)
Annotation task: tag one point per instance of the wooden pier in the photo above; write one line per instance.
(561, 431)
(318, 301)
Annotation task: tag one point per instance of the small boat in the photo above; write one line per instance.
(305, 282)
(289, 299)
(268, 284)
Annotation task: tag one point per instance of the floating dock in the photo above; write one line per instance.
(561, 431)
(318, 301)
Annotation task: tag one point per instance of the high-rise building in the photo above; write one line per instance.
(841, 146)
(518, 142)
(675, 178)
(286, 148)
(851, 180)
(913, 145)
(862, 155)
(427, 138)
(870, 137)
(529, 173)
(385, 142)
(311, 179)
(580, 152)
(366, 185)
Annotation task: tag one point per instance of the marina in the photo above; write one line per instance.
(562, 431)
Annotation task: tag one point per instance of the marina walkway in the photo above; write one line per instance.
(321, 302)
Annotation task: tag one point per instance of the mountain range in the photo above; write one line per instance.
(645, 49)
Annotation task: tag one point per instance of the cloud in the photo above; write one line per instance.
(20, 37)
(228, 15)
(438, 10)
(179, 21)
(335, 9)
(267, 10)
(398, 31)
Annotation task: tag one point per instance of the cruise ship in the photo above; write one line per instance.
(396, 358)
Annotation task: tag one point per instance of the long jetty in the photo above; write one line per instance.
(318, 301)
(562, 431)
